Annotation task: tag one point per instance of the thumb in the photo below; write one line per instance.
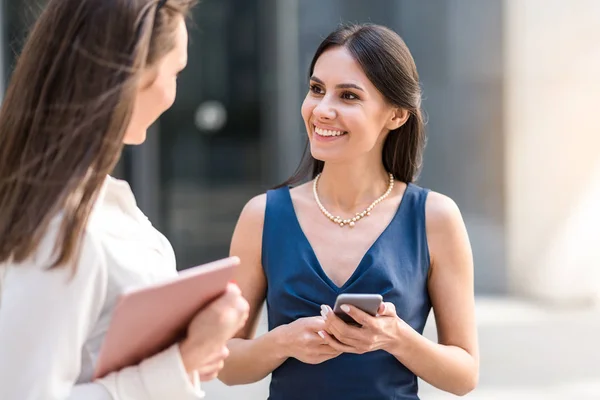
(233, 288)
(387, 309)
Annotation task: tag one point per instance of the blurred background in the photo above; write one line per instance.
(511, 90)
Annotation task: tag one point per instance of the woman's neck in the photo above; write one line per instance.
(348, 187)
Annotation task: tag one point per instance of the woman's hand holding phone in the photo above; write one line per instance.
(370, 333)
(305, 342)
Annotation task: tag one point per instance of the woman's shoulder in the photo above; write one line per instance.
(444, 220)
(255, 207)
(441, 208)
(302, 194)
(251, 220)
(89, 245)
(87, 264)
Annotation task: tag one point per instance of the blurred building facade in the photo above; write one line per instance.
(490, 78)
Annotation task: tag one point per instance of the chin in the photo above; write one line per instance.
(324, 154)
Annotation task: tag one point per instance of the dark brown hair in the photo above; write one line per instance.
(66, 110)
(387, 62)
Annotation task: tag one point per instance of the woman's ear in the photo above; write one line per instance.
(398, 118)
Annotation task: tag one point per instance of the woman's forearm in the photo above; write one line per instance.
(251, 360)
(449, 368)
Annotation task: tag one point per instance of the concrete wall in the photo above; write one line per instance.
(553, 148)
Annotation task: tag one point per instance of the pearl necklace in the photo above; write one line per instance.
(350, 221)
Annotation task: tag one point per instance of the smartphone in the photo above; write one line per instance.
(368, 303)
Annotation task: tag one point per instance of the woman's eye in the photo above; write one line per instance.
(316, 89)
(349, 96)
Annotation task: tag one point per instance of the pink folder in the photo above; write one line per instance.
(150, 319)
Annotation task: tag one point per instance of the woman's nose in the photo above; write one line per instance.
(324, 110)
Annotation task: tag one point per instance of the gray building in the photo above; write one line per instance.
(235, 129)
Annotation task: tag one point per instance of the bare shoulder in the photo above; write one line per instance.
(302, 192)
(441, 212)
(247, 236)
(253, 213)
(446, 232)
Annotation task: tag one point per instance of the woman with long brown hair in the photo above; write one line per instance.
(93, 76)
(360, 225)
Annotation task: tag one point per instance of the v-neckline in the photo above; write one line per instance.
(360, 268)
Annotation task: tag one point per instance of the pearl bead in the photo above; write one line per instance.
(350, 221)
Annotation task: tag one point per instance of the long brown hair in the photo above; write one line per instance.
(66, 110)
(387, 62)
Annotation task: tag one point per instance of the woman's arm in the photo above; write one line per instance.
(45, 319)
(452, 364)
(251, 359)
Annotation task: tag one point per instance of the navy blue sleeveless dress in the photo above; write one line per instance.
(396, 266)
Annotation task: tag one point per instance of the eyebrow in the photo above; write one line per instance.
(340, 86)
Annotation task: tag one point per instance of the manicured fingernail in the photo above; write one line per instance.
(345, 308)
(324, 310)
(321, 334)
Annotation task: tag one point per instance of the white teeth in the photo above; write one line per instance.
(326, 132)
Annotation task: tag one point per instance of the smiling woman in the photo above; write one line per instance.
(343, 102)
(360, 226)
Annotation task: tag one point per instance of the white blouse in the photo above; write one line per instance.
(52, 323)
